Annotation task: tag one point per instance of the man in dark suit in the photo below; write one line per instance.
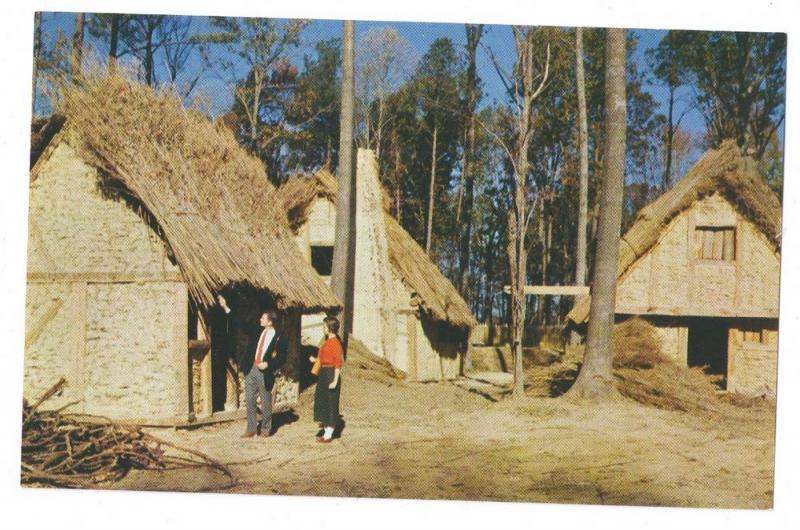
(264, 355)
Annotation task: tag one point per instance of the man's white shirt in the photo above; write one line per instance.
(270, 334)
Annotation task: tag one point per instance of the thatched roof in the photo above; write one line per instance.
(209, 200)
(433, 293)
(722, 171)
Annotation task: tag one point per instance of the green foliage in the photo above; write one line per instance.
(258, 116)
(739, 80)
(314, 109)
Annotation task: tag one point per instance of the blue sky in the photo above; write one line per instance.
(216, 85)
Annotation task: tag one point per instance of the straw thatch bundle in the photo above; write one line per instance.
(722, 171)
(432, 292)
(210, 201)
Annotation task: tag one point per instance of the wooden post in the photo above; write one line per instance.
(78, 317)
(738, 294)
(692, 245)
(206, 372)
(733, 342)
(683, 346)
(180, 353)
(411, 332)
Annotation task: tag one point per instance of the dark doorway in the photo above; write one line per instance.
(221, 351)
(708, 346)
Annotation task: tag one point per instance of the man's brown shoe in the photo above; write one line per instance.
(265, 435)
(248, 435)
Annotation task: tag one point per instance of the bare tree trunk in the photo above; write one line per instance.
(466, 199)
(540, 228)
(583, 183)
(148, 57)
(252, 112)
(518, 217)
(431, 191)
(342, 275)
(583, 146)
(596, 379)
(667, 181)
(397, 204)
(37, 53)
(328, 154)
(113, 43)
(76, 58)
(379, 133)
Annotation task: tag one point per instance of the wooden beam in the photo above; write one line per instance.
(411, 340)
(103, 277)
(79, 317)
(556, 290)
(38, 328)
(180, 352)
(199, 347)
(206, 382)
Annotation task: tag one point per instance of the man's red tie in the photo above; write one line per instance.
(259, 347)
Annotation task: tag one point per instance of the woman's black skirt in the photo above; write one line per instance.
(326, 401)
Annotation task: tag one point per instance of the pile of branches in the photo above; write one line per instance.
(75, 451)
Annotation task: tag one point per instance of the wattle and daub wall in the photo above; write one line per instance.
(105, 308)
(711, 262)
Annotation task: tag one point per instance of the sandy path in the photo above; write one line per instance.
(438, 441)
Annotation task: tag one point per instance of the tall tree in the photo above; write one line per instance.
(314, 109)
(76, 60)
(343, 272)
(385, 59)
(665, 62)
(740, 80)
(583, 148)
(258, 114)
(179, 43)
(132, 35)
(523, 86)
(140, 38)
(436, 79)
(595, 379)
(472, 95)
(37, 53)
(115, 22)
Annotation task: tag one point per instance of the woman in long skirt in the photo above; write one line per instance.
(326, 396)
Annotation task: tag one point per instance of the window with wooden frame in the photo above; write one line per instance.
(755, 332)
(715, 243)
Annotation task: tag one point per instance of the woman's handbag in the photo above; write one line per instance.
(315, 367)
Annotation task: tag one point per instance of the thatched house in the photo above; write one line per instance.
(405, 309)
(140, 213)
(702, 263)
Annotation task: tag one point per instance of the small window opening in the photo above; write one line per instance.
(322, 259)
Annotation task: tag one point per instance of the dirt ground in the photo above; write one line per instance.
(440, 441)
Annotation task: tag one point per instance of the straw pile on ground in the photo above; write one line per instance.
(433, 292)
(644, 375)
(363, 364)
(636, 345)
(210, 201)
(722, 171)
(84, 451)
